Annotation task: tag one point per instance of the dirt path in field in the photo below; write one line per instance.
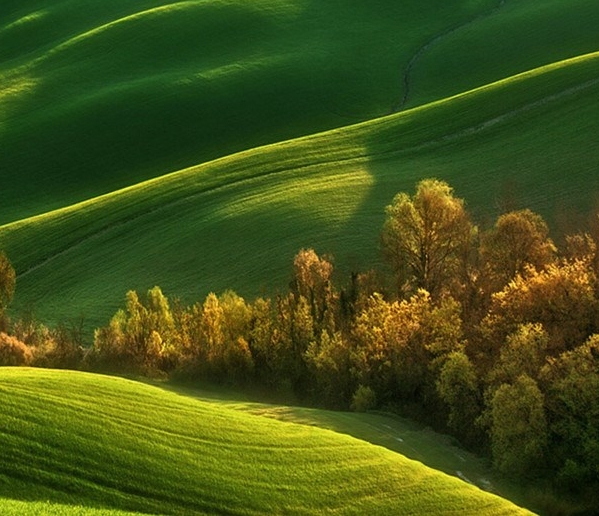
(407, 76)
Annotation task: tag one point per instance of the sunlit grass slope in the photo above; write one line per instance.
(103, 442)
(20, 508)
(98, 95)
(529, 141)
(412, 440)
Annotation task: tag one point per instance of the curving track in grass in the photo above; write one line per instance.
(407, 75)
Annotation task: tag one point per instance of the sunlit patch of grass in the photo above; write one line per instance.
(35, 16)
(102, 442)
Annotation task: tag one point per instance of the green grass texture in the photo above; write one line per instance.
(96, 96)
(514, 37)
(236, 222)
(105, 443)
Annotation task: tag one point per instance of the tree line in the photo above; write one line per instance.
(491, 335)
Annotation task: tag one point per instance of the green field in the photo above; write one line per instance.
(98, 442)
(198, 145)
(100, 101)
(96, 95)
(238, 221)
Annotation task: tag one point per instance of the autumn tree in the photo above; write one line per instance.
(312, 280)
(380, 338)
(426, 238)
(561, 297)
(518, 240)
(13, 352)
(216, 336)
(399, 347)
(262, 343)
(293, 331)
(138, 337)
(8, 280)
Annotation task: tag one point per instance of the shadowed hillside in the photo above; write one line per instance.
(95, 96)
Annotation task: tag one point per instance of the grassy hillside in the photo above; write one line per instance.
(107, 443)
(404, 436)
(516, 36)
(18, 508)
(95, 95)
(529, 140)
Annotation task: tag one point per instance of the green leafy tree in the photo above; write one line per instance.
(457, 385)
(518, 427)
(426, 239)
(328, 360)
(525, 352)
(572, 384)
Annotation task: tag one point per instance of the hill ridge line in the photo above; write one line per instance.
(400, 105)
(65, 44)
(491, 122)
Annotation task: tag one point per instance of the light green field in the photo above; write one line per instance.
(237, 222)
(101, 442)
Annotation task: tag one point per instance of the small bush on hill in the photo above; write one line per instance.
(13, 352)
(363, 399)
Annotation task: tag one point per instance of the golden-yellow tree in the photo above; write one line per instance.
(426, 238)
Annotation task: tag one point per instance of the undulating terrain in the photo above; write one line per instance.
(101, 104)
(88, 442)
(198, 145)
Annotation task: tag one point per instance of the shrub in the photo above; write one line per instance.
(13, 352)
(363, 399)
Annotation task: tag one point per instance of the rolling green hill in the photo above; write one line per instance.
(103, 443)
(100, 100)
(95, 96)
(516, 36)
(238, 221)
